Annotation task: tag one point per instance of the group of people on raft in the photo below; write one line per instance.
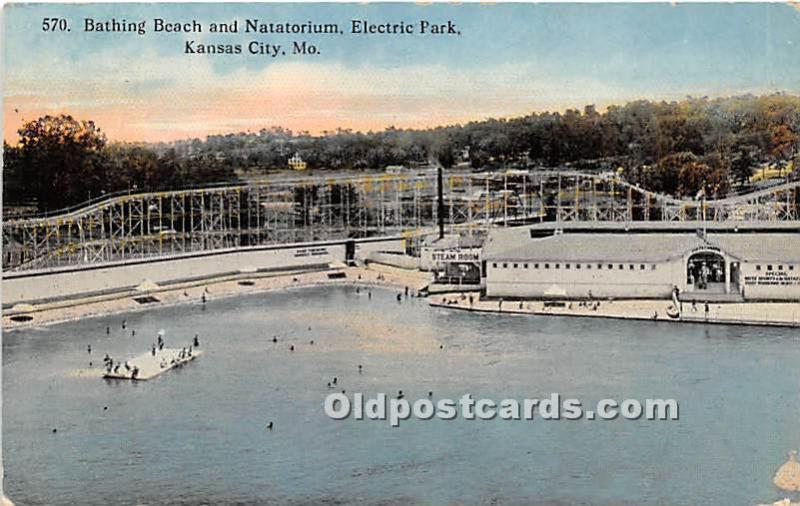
(113, 368)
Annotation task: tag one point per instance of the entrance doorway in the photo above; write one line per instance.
(705, 271)
(350, 252)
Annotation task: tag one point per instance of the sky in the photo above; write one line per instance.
(509, 60)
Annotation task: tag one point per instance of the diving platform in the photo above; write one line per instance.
(148, 365)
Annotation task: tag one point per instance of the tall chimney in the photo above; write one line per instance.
(440, 213)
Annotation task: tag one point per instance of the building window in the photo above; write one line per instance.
(566, 266)
(641, 267)
(780, 267)
(758, 267)
(630, 267)
(653, 267)
(791, 267)
(621, 266)
(577, 266)
(516, 266)
(599, 266)
(558, 266)
(525, 265)
(535, 266)
(588, 266)
(769, 267)
(494, 266)
(505, 266)
(546, 266)
(610, 266)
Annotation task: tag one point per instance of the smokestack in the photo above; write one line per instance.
(440, 213)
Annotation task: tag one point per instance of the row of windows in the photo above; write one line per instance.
(621, 267)
(630, 267)
(780, 267)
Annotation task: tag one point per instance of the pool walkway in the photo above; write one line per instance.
(197, 292)
(779, 314)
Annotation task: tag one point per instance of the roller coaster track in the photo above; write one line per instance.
(284, 211)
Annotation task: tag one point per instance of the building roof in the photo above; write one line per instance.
(452, 241)
(634, 247)
(668, 226)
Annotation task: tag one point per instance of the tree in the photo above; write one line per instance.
(684, 174)
(444, 153)
(743, 162)
(132, 166)
(61, 160)
(13, 186)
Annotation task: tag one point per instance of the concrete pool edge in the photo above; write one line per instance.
(771, 314)
(774, 314)
(215, 289)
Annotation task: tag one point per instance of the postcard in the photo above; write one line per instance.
(397, 253)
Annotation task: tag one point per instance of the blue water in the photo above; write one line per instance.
(197, 435)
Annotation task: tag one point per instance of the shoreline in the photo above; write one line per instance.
(67, 310)
(768, 314)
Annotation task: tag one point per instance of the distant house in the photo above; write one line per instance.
(395, 169)
(297, 163)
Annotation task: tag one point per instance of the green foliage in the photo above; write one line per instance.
(671, 147)
(61, 160)
(13, 186)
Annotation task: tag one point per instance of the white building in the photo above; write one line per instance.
(645, 260)
(454, 260)
(297, 163)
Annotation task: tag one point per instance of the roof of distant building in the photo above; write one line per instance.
(639, 247)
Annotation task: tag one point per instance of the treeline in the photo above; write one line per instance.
(671, 147)
(729, 135)
(61, 161)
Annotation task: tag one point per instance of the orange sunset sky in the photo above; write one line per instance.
(509, 60)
